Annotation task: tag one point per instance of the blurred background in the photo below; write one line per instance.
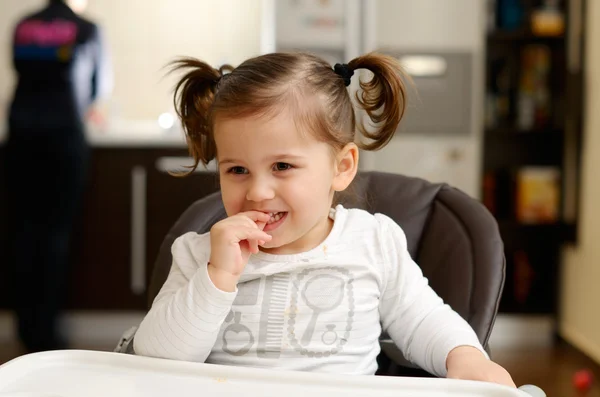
(503, 110)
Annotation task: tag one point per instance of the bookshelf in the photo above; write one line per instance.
(532, 141)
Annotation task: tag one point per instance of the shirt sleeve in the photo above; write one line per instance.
(423, 327)
(102, 76)
(188, 312)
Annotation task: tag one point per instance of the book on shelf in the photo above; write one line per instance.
(537, 195)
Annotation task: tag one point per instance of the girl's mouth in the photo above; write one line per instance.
(276, 219)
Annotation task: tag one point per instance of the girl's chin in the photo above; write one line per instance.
(271, 246)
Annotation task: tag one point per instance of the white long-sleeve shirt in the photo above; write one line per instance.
(322, 310)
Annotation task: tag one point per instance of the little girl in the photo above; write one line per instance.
(286, 281)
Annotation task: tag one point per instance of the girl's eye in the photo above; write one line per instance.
(238, 170)
(282, 166)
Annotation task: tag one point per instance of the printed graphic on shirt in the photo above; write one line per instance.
(45, 40)
(311, 311)
(322, 291)
(272, 318)
(270, 333)
(243, 336)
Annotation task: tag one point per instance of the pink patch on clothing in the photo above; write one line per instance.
(42, 33)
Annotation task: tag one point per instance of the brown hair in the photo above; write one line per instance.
(302, 83)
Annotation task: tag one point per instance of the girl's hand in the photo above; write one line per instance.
(232, 241)
(468, 363)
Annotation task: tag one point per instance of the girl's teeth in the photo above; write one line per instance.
(275, 217)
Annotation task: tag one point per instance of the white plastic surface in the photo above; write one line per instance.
(78, 373)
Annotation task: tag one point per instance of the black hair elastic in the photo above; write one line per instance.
(344, 71)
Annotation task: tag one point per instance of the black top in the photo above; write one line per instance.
(61, 67)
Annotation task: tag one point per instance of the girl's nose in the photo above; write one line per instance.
(260, 190)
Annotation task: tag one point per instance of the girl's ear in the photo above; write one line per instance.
(346, 167)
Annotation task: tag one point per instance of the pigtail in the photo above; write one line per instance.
(383, 97)
(193, 98)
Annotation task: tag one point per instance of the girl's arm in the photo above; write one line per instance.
(424, 328)
(187, 314)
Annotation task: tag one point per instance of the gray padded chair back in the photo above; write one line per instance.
(452, 237)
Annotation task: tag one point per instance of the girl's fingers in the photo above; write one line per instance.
(254, 246)
(257, 221)
(256, 216)
(249, 233)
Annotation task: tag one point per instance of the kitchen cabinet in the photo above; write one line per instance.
(130, 203)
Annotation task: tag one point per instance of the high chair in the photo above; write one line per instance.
(451, 236)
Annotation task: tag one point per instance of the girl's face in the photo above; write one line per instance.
(268, 165)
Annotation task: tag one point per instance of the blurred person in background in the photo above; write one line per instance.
(62, 71)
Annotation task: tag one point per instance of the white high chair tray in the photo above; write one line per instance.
(77, 373)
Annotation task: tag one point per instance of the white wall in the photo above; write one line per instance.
(580, 292)
(144, 35)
